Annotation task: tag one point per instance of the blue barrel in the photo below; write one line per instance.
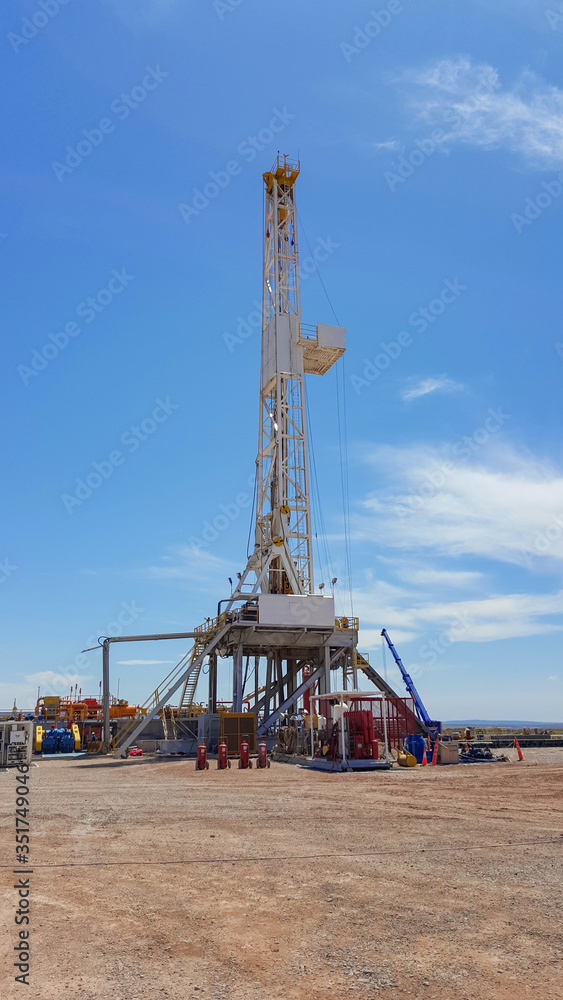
(415, 745)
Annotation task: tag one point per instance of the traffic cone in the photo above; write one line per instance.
(517, 745)
(435, 754)
(424, 761)
(466, 747)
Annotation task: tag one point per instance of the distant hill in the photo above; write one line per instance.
(504, 723)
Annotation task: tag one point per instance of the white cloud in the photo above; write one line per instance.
(470, 104)
(493, 509)
(501, 505)
(392, 144)
(425, 386)
(497, 616)
(139, 663)
(53, 679)
(197, 566)
(429, 576)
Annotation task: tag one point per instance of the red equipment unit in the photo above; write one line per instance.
(362, 737)
(307, 694)
(202, 764)
(263, 756)
(222, 759)
(244, 759)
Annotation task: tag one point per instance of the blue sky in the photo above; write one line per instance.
(431, 144)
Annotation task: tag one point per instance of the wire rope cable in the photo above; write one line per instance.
(342, 436)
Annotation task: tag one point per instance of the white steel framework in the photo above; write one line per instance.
(282, 561)
(283, 517)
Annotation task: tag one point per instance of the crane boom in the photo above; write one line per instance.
(430, 724)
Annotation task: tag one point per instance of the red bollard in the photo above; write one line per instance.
(435, 754)
(222, 759)
(262, 756)
(202, 764)
(244, 760)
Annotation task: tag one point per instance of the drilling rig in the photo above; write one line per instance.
(273, 612)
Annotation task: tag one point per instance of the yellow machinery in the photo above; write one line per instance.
(48, 708)
(40, 733)
(406, 759)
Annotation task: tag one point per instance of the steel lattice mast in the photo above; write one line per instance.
(283, 517)
(282, 560)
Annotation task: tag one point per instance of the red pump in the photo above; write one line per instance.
(244, 760)
(263, 760)
(222, 759)
(202, 764)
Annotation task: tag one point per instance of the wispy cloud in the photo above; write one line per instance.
(425, 386)
(469, 102)
(429, 576)
(496, 616)
(141, 663)
(196, 566)
(53, 679)
(493, 506)
(392, 144)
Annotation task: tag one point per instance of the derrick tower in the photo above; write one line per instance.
(282, 561)
(272, 615)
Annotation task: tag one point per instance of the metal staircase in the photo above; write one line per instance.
(208, 636)
(363, 663)
(188, 692)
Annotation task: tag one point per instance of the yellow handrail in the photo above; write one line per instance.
(344, 624)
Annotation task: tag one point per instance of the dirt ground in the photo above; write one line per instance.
(435, 882)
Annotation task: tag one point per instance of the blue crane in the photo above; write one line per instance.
(433, 727)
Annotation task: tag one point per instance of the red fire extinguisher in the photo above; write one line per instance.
(244, 759)
(202, 764)
(263, 760)
(222, 759)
